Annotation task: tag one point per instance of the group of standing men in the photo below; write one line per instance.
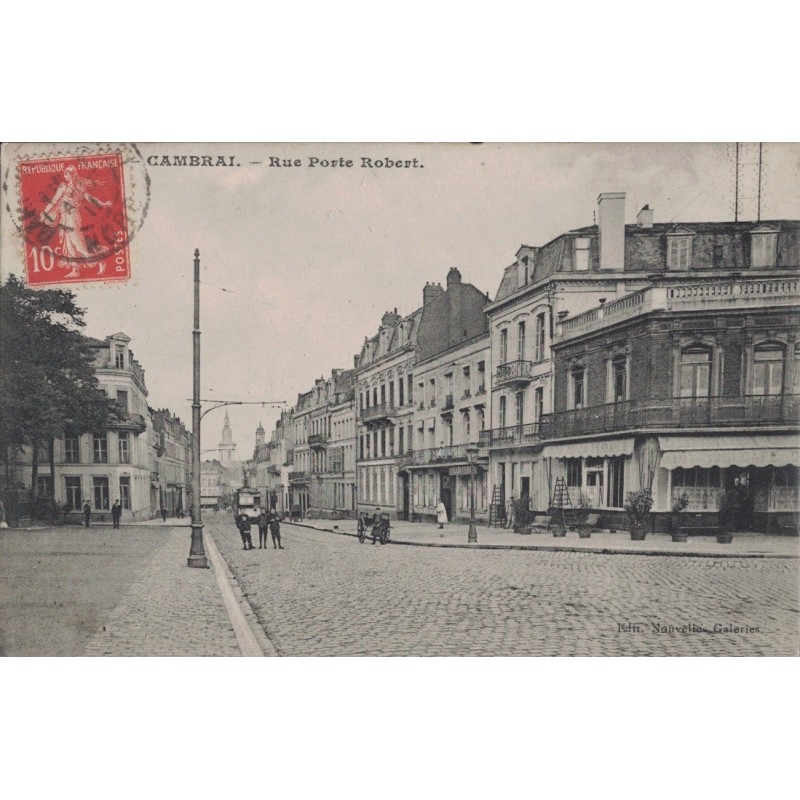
(266, 521)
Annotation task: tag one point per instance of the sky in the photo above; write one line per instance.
(298, 264)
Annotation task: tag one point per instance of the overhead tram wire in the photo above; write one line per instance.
(295, 312)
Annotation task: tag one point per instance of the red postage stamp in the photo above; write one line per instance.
(74, 219)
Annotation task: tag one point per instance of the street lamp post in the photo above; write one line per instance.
(472, 457)
(197, 554)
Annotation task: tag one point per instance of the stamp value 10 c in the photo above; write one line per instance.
(74, 219)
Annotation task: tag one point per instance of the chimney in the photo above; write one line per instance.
(644, 219)
(390, 319)
(431, 292)
(611, 222)
(454, 276)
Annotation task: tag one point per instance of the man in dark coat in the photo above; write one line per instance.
(116, 513)
(275, 529)
(263, 522)
(87, 513)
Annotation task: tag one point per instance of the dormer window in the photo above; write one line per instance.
(679, 251)
(119, 356)
(763, 249)
(582, 254)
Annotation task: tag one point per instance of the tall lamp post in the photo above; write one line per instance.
(197, 554)
(472, 457)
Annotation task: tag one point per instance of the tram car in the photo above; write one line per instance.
(247, 501)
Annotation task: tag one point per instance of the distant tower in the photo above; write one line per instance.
(227, 449)
(260, 433)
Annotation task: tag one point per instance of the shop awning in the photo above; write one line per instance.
(729, 451)
(601, 448)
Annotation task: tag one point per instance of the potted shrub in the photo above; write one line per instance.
(637, 510)
(582, 510)
(678, 505)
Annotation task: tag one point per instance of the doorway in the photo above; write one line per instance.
(404, 493)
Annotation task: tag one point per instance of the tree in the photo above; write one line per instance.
(48, 386)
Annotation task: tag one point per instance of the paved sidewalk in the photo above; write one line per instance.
(753, 545)
(169, 610)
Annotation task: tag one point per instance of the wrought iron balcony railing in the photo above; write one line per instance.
(518, 372)
(379, 412)
(318, 440)
(511, 435)
(674, 413)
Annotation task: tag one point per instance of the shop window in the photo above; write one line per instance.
(574, 470)
(616, 482)
(786, 477)
(768, 369)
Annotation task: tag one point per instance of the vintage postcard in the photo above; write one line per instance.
(399, 399)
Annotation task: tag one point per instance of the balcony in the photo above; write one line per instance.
(273, 470)
(445, 454)
(671, 413)
(298, 477)
(130, 422)
(512, 435)
(378, 413)
(513, 373)
(319, 441)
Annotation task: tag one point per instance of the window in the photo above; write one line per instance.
(481, 377)
(695, 372)
(717, 256)
(100, 486)
(616, 482)
(574, 469)
(125, 492)
(504, 346)
(72, 450)
(432, 386)
(577, 395)
(400, 386)
(100, 448)
(481, 419)
(124, 447)
(582, 254)
(796, 381)
(44, 486)
(72, 485)
(122, 398)
(421, 393)
(521, 341)
(502, 412)
(410, 389)
(768, 369)
(467, 383)
(383, 394)
(679, 252)
(763, 249)
(391, 394)
(449, 382)
(540, 336)
(538, 402)
(619, 379)
(467, 429)
(401, 431)
(119, 356)
(520, 398)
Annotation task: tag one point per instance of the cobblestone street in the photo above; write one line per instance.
(328, 595)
